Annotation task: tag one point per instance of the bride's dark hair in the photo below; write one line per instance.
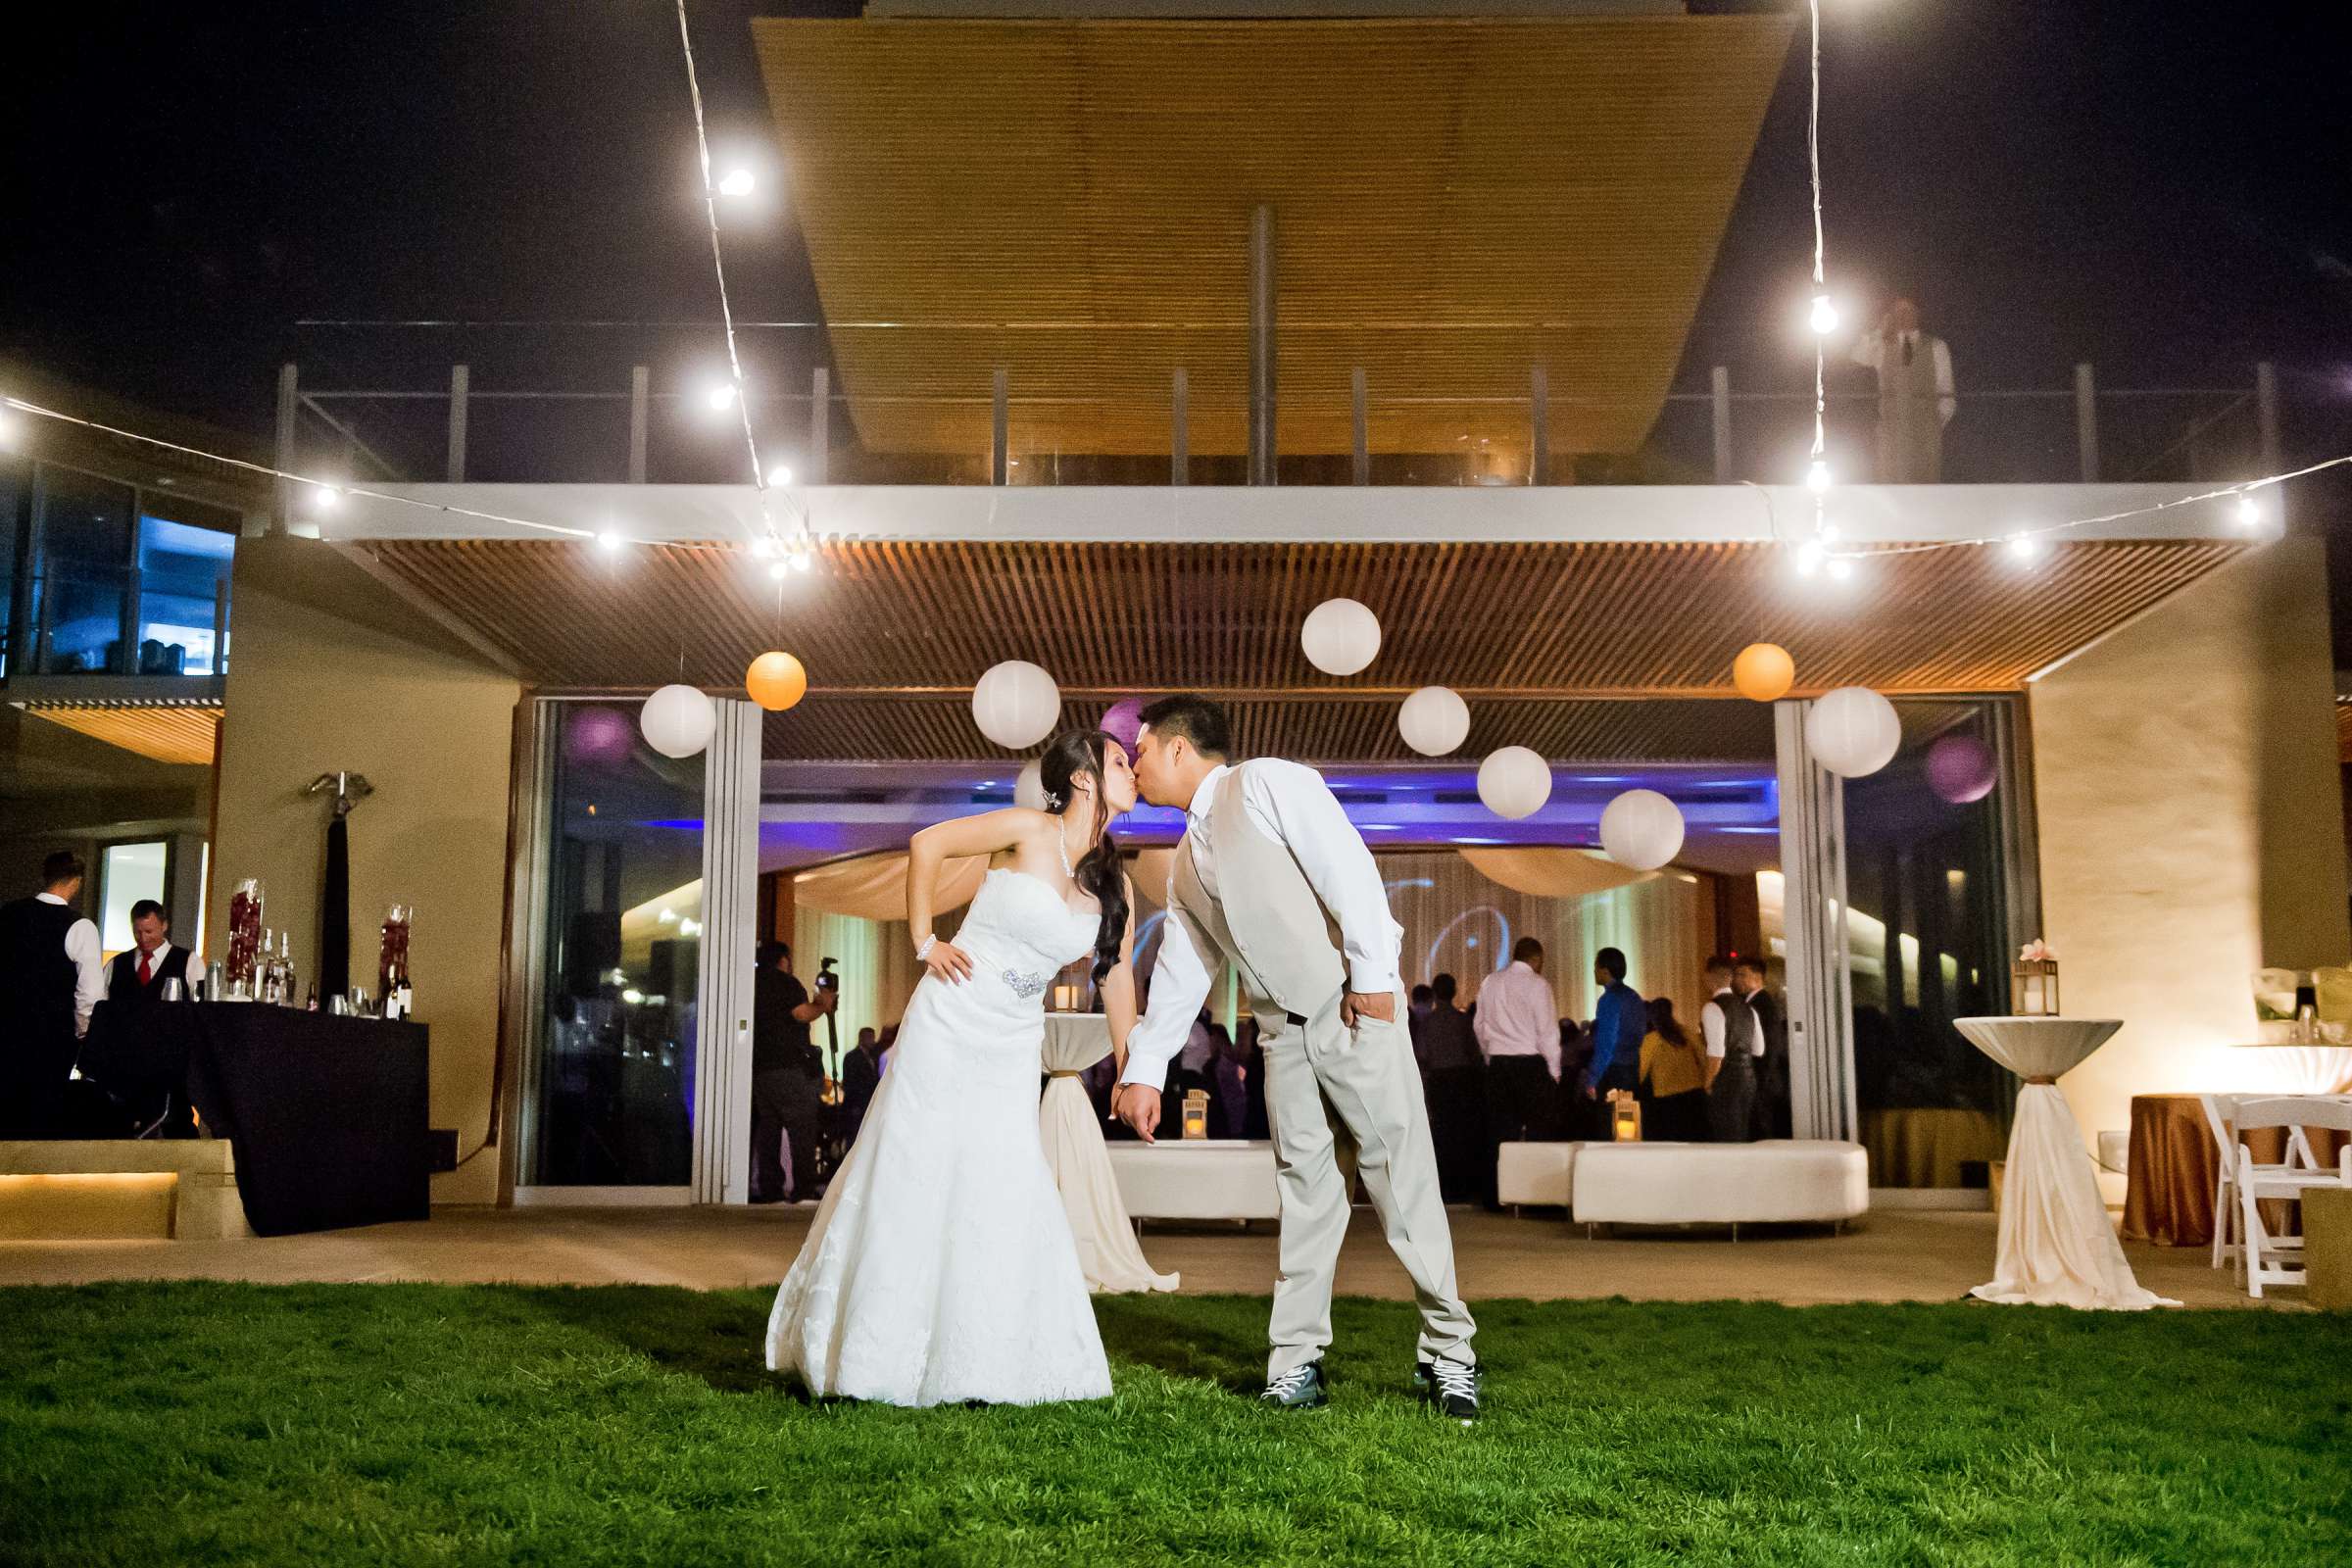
(1069, 754)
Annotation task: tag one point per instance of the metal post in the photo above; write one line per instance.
(2266, 412)
(221, 626)
(459, 379)
(1261, 346)
(1719, 382)
(640, 398)
(821, 424)
(1363, 440)
(1179, 435)
(1538, 425)
(2086, 424)
(289, 410)
(999, 433)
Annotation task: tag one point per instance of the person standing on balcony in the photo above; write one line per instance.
(1915, 395)
(50, 978)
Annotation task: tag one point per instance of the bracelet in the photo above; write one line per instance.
(922, 949)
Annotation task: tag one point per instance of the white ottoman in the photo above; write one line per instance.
(1197, 1178)
(1775, 1182)
(1534, 1173)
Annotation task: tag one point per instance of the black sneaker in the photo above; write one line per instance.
(1302, 1388)
(1449, 1387)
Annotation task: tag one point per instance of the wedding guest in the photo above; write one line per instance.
(1228, 1104)
(139, 970)
(860, 1076)
(1915, 395)
(788, 1079)
(1733, 1044)
(50, 979)
(1253, 1081)
(1576, 1055)
(1770, 1116)
(1417, 1004)
(1454, 1080)
(1518, 1028)
(1674, 1070)
(1619, 1021)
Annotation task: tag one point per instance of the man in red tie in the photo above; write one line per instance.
(139, 971)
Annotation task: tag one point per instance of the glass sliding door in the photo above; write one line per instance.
(1928, 931)
(610, 1080)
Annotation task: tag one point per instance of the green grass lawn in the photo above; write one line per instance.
(420, 1424)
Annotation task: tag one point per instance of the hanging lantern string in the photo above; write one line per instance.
(719, 269)
(262, 468)
(1821, 402)
(2012, 535)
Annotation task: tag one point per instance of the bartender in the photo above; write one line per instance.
(139, 971)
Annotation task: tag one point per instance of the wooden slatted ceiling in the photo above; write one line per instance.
(1458, 200)
(182, 733)
(894, 633)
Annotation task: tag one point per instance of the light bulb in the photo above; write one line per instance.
(721, 397)
(325, 497)
(1829, 533)
(736, 182)
(781, 475)
(763, 548)
(1817, 478)
(610, 541)
(1824, 315)
(1841, 569)
(2249, 511)
(8, 428)
(778, 570)
(801, 559)
(1809, 558)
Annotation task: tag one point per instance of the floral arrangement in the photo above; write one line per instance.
(2036, 952)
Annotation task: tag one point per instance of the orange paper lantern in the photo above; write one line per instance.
(776, 682)
(1763, 672)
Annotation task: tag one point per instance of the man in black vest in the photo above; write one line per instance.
(139, 970)
(50, 978)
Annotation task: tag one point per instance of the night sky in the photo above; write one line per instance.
(2159, 189)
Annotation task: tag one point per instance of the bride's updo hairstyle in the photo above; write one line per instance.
(1068, 755)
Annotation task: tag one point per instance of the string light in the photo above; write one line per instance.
(1817, 478)
(777, 570)
(802, 558)
(1841, 567)
(763, 548)
(2024, 547)
(1824, 315)
(325, 497)
(738, 182)
(721, 397)
(2249, 511)
(611, 541)
(781, 475)
(1809, 557)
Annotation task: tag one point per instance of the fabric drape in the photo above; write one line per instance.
(335, 919)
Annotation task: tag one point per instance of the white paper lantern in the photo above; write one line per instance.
(1434, 720)
(1514, 782)
(1030, 788)
(1852, 731)
(1340, 636)
(1017, 704)
(678, 720)
(1642, 829)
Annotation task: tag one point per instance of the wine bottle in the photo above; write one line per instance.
(287, 991)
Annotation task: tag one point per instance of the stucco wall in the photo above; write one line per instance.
(2190, 830)
(330, 672)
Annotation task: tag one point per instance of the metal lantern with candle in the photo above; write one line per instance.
(2033, 982)
(1195, 1113)
(1624, 1117)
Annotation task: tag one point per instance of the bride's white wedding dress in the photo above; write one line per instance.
(940, 1268)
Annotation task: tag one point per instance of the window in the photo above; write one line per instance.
(16, 503)
(183, 572)
(85, 573)
(128, 873)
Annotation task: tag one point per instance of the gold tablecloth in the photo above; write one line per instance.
(1923, 1145)
(2168, 1194)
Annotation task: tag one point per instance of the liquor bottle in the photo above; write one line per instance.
(287, 992)
(312, 1006)
(265, 985)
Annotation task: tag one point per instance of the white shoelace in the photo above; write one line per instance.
(1290, 1382)
(1455, 1381)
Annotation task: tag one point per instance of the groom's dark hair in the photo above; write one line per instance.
(1197, 719)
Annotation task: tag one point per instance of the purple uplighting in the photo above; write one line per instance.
(1961, 770)
(600, 735)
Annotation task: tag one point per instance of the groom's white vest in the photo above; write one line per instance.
(1279, 936)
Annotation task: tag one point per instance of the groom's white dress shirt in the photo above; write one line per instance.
(1291, 804)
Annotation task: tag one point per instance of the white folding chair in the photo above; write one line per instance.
(2224, 1176)
(2267, 1255)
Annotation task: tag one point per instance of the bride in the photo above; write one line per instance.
(940, 1268)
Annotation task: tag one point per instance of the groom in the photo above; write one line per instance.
(1273, 876)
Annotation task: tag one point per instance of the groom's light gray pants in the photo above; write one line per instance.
(1365, 1079)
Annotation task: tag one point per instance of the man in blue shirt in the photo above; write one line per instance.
(1619, 1021)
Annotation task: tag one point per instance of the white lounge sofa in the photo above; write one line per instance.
(1779, 1181)
(1197, 1179)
